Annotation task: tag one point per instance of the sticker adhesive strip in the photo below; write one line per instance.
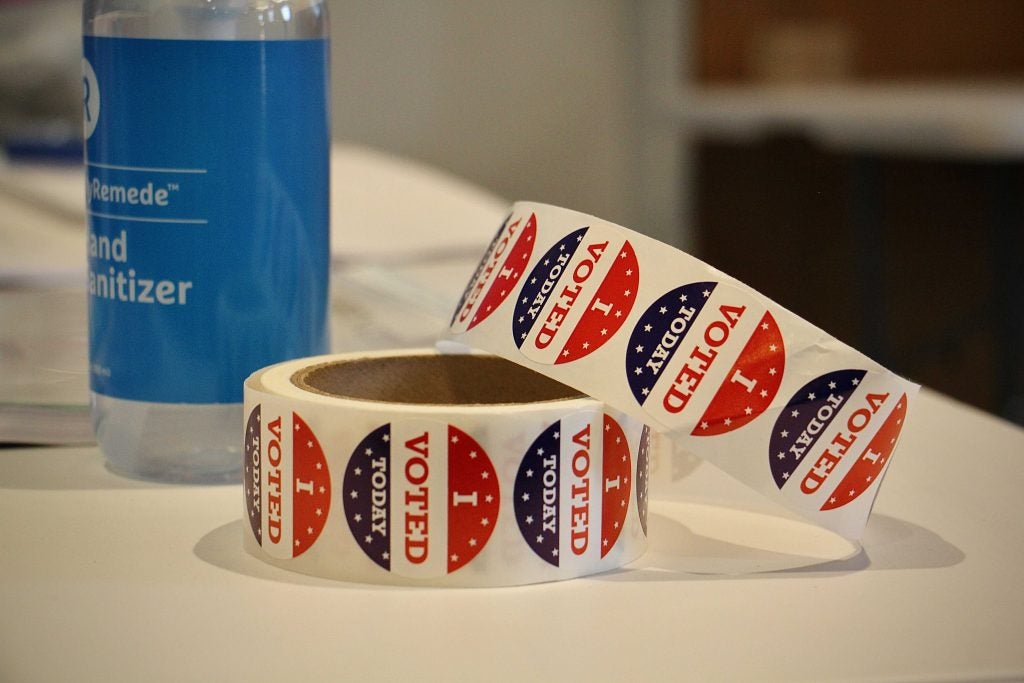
(721, 369)
(413, 467)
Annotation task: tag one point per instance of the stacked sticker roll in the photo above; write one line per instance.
(415, 467)
(464, 469)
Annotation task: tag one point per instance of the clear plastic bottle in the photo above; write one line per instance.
(207, 156)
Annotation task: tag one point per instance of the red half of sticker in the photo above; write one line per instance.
(750, 384)
(509, 274)
(311, 497)
(473, 498)
(869, 465)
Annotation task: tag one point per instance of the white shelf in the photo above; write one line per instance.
(962, 121)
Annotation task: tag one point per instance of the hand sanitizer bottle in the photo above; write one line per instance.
(207, 149)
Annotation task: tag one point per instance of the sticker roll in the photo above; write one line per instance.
(417, 468)
(726, 372)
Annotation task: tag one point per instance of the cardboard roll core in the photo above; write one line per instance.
(432, 380)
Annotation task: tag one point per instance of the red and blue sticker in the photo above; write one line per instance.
(287, 485)
(421, 497)
(498, 272)
(705, 354)
(834, 438)
(576, 297)
(573, 487)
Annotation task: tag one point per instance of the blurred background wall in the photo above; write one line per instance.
(541, 99)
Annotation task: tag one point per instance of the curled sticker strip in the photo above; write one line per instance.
(747, 385)
(413, 467)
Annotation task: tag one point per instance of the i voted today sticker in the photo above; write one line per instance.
(421, 497)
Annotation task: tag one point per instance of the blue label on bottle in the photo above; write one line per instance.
(207, 195)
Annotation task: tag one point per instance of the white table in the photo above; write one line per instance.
(104, 578)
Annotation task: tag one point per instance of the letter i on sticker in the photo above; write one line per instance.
(286, 482)
(421, 497)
